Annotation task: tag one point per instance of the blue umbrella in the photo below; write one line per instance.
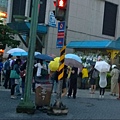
(43, 57)
(19, 54)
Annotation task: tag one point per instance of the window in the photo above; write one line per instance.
(42, 11)
(18, 7)
(109, 22)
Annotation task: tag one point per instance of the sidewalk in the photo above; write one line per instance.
(86, 94)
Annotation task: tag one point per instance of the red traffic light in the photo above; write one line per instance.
(62, 3)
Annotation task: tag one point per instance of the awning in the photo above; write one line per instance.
(95, 44)
(24, 27)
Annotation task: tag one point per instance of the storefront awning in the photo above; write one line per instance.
(95, 44)
(24, 27)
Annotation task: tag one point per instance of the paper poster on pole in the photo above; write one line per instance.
(52, 19)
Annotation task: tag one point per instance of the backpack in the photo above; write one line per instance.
(7, 65)
(95, 74)
(44, 72)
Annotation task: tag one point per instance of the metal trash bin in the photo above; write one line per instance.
(43, 94)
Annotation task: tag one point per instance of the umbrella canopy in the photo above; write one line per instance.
(15, 50)
(37, 53)
(19, 53)
(57, 59)
(73, 61)
(53, 65)
(44, 57)
(102, 66)
(52, 55)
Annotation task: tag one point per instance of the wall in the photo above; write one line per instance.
(85, 22)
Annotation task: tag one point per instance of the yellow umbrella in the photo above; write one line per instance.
(57, 59)
(53, 65)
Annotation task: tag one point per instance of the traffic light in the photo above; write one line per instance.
(60, 10)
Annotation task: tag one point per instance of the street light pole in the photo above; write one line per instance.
(27, 105)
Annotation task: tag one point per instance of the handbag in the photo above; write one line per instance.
(13, 74)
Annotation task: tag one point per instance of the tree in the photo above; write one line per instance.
(7, 36)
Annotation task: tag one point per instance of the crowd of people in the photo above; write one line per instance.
(18, 66)
(41, 72)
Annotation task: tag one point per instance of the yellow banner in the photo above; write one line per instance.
(112, 53)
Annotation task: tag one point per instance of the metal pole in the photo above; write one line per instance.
(66, 23)
(27, 105)
(58, 107)
(32, 44)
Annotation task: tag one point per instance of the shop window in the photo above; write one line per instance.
(109, 21)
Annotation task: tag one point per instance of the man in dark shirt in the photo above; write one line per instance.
(73, 83)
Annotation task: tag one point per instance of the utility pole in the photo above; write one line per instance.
(61, 13)
(27, 106)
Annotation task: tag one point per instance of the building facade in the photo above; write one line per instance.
(3, 5)
(87, 20)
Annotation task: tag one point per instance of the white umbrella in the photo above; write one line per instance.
(102, 66)
(15, 50)
(37, 53)
(73, 61)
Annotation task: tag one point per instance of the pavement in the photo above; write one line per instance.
(85, 106)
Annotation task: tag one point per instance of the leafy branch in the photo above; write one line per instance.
(7, 36)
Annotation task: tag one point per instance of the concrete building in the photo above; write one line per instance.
(87, 20)
(3, 5)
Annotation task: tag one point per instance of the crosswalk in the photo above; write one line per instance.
(81, 93)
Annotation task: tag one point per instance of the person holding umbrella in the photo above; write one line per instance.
(73, 83)
(103, 67)
(102, 83)
(39, 66)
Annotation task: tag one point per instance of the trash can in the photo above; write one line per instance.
(43, 94)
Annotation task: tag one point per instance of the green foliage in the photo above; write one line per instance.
(7, 36)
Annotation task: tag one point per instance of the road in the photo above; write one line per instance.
(85, 106)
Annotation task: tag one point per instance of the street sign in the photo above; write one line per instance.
(61, 26)
(52, 20)
(60, 43)
(60, 35)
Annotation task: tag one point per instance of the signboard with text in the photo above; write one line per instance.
(60, 35)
